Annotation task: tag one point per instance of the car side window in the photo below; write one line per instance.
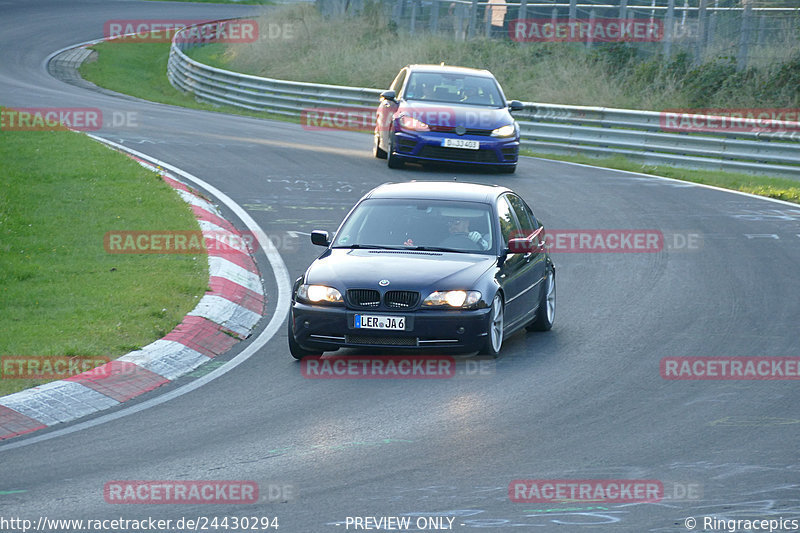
(526, 222)
(536, 224)
(508, 222)
(397, 84)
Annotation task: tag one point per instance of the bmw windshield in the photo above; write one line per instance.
(419, 225)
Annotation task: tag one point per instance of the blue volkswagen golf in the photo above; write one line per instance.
(442, 265)
(437, 113)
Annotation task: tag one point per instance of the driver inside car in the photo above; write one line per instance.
(459, 232)
(470, 95)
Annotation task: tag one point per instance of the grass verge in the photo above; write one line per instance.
(117, 60)
(771, 187)
(149, 60)
(61, 293)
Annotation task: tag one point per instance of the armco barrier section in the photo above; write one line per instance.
(545, 128)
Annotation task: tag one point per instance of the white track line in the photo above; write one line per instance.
(714, 187)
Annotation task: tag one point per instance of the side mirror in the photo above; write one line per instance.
(519, 245)
(515, 105)
(320, 238)
(388, 95)
(525, 244)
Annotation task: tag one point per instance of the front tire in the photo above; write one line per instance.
(377, 151)
(392, 159)
(546, 313)
(297, 351)
(495, 341)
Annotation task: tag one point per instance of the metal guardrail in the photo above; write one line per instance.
(545, 128)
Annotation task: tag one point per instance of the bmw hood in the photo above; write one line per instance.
(403, 269)
(454, 115)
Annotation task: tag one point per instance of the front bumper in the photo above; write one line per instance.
(330, 328)
(493, 151)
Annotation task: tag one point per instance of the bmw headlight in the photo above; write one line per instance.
(407, 122)
(509, 130)
(316, 294)
(456, 299)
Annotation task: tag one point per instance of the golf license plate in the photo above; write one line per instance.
(461, 143)
(380, 322)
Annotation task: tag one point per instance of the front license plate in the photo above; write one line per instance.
(461, 143)
(380, 322)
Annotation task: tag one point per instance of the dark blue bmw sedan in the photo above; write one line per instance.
(443, 265)
(437, 113)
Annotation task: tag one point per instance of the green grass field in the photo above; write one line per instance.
(139, 69)
(117, 60)
(61, 293)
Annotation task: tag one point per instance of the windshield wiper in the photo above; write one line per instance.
(372, 247)
(412, 248)
(436, 249)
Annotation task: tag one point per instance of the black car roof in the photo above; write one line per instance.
(439, 190)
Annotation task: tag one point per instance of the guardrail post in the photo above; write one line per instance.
(473, 19)
(762, 30)
(683, 16)
(460, 21)
(399, 7)
(434, 27)
(573, 9)
(590, 38)
(412, 27)
(744, 37)
(669, 28)
(523, 9)
(712, 27)
(487, 29)
(702, 33)
(623, 9)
